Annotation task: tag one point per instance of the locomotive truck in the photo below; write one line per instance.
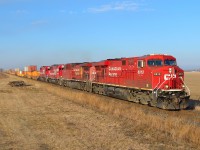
(153, 79)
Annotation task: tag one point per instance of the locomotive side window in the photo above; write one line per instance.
(62, 68)
(98, 68)
(170, 62)
(86, 68)
(154, 62)
(103, 72)
(140, 63)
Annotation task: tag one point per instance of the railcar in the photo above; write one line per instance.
(154, 80)
(76, 75)
(55, 73)
(35, 75)
(44, 73)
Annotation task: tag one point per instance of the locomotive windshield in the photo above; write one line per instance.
(154, 62)
(170, 62)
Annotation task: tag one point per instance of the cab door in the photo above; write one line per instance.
(61, 68)
(140, 80)
(92, 74)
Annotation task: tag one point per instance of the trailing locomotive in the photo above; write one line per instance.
(153, 80)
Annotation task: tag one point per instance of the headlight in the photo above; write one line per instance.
(183, 86)
(166, 86)
(170, 70)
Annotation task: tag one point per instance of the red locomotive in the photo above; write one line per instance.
(153, 79)
(44, 73)
(55, 74)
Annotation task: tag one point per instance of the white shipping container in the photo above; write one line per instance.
(26, 69)
(17, 69)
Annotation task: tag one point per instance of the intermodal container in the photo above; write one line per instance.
(32, 68)
(17, 69)
(25, 69)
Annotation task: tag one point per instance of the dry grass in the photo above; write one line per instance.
(31, 118)
(2, 76)
(177, 127)
(192, 80)
(197, 108)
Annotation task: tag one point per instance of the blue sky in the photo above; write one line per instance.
(45, 32)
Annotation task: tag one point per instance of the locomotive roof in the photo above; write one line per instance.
(114, 59)
(155, 55)
(158, 55)
(57, 65)
(54, 65)
(73, 64)
(144, 56)
(86, 64)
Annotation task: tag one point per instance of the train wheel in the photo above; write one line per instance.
(160, 103)
(136, 100)
(144, 100)
(129, 96)
(153, 103)
(167, 104)
(95, 90)
(60, 82)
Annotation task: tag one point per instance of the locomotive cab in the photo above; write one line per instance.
(44, 73)
(168, 87)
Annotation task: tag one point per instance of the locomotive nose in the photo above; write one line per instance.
(172, 78)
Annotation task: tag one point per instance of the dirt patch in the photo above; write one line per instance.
(17, 83)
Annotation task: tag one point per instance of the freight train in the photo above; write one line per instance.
(154, 79)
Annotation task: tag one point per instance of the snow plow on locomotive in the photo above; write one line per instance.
(154, 80)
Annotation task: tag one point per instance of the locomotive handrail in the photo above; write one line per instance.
(159, 87)
(156, 87)
(185, 85)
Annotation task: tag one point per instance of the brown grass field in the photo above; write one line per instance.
(43, 116)
(192, 80)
